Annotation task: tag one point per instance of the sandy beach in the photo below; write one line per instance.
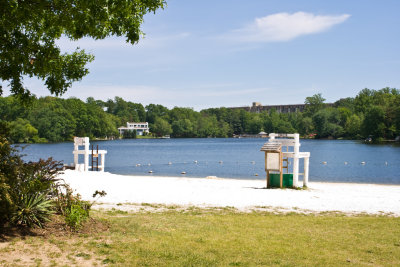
(130, 192)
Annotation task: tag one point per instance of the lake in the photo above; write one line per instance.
(236, 158)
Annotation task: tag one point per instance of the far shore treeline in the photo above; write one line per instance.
(371, 114)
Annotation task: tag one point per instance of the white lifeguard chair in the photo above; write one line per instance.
(288, 141)
(84, 141)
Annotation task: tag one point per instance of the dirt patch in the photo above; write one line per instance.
(55, 227)
(54, 245)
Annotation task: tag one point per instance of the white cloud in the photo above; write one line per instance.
(151, 41)
(285, 27)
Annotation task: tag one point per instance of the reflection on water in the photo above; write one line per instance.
(236, 158)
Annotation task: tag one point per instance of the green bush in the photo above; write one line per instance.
(30, 192)
(72, 207)
(26, 188)
(32, 210)
(65, 199)
(75, 216)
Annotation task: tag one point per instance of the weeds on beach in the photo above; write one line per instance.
(218, 237)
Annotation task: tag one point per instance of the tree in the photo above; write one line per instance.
(305, 126)
(52, 120)
(29, 30)
(255, 125)
(161, 127)
(182, 128)
(320, 121)
(353, 126)
(347, 102)
(314, 104)
(363, 100)
(21, 131)
(130, 134)
(373, 123)
(153, 111)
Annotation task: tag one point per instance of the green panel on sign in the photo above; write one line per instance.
(275, 180)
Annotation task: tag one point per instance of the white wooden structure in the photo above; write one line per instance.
(84, 141)
(292, 140)
(273, 161)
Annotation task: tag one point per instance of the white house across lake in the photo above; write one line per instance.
(139, 127)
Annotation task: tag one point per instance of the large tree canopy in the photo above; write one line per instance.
(29, 29)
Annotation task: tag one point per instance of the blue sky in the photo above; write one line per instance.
(205, 54)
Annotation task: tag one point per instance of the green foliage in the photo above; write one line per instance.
(25, 188)
(353, 126)
(182, 128)
(161, 127)
(373, 123)
(75, 210)
(55, 119)
(23, 132)
(29, 30)
(314, 104)
(129, 134)
(75, 216)
(65, 199)
(156, 111)
(71, 206)
(32, 209)
(30, 191)
(58, 119)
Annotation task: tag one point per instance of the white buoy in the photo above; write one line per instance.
(386, 163)
(362, 162)
(170, 163)
(149, 164)
(345, 163)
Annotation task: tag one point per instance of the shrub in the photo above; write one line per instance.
(75, 216)
(30, 192)
(25, 188)
(65, 199)
(72, 207)
(32, 210)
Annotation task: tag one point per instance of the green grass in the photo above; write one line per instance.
(228, 238)
(237, 239)
(145, 137)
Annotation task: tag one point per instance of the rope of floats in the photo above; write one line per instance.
(250, 162)
(362, 163)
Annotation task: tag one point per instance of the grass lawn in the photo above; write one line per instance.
(198, 237)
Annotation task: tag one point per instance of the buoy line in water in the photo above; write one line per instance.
(357, 163)
(253, 166)
(196, 163)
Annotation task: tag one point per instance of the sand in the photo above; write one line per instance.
(129, 192)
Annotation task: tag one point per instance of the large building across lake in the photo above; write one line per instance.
(139, 127)
(257, 107)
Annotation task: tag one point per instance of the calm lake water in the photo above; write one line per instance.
(236, 158)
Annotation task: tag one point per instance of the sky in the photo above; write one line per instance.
(228, 53)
